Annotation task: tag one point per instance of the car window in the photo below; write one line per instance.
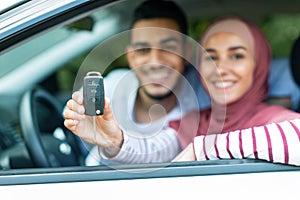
(10, 4)
(32, 49)
(52, 58)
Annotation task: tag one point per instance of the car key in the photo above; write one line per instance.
(93, 94)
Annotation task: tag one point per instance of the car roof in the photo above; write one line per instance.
(16, 23)
(19, 19)
(254, 9)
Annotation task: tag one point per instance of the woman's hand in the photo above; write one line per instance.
(187, 154)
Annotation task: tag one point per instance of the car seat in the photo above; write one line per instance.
(295, 64)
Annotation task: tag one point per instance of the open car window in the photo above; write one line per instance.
(44, 58)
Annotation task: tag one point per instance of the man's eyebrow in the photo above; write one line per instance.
(163, 41)
(170, 39)
(140, 44)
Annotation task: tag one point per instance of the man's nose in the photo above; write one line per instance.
(156, 56)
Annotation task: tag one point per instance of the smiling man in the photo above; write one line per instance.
(155, 55)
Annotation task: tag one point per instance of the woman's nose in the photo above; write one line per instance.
(222, 66)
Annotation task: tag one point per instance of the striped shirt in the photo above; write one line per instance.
(276, 142)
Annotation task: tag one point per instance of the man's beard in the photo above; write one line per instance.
(158, 97)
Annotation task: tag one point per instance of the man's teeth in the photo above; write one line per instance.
(223, 84)
(158, 76)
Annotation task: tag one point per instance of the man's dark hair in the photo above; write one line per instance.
(151, 9)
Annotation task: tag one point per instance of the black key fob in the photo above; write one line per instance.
(93, 94)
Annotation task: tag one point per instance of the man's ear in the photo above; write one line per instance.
(129, 56)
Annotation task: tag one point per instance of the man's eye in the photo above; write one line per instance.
(142, 50)
(171, 48)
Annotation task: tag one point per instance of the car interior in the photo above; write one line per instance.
(48, 66)
(294, 64)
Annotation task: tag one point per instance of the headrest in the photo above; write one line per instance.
(295, 61)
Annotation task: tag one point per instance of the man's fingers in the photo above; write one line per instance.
(108, 115)
(72, 115)
(71, 124)
(78, 97)
(74, 106)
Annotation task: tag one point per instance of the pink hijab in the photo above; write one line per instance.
(249, 110)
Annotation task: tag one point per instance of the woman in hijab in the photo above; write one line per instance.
(234, 66)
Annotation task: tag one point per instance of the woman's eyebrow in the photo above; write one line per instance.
(230, 49)
(237, 48)
(211, 50)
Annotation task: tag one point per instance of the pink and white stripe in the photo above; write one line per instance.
(276, 142)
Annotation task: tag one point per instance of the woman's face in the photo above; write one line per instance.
(227, 68)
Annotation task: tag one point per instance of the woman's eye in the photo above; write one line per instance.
(210, 58)
(237, 56)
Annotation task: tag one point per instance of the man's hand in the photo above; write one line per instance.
(104, 133)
